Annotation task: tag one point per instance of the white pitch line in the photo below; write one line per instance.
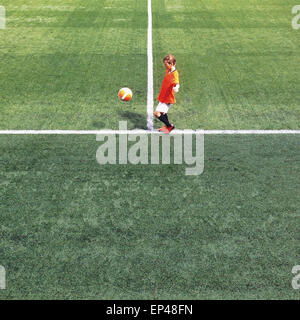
(187, 131)
(251, 131)
(2, 17)
(150, 71)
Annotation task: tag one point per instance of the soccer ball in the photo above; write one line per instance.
(125, 94)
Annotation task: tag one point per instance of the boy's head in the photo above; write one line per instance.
(169, 61)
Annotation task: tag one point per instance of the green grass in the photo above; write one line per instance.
(63, 62)
(71, 228)
(236, 59)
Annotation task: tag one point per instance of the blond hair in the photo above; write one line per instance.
(170, 58)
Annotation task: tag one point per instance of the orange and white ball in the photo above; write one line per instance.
(125, 94)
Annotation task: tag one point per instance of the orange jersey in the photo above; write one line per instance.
(166, 94)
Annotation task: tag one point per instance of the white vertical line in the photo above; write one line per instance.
(2, 278)
(2, 17)
(150, 71)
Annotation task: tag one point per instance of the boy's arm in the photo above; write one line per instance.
(176, 82)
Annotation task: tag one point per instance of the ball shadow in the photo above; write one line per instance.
(137, 120)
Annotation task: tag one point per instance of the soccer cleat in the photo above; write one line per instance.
(163, 129)
(170, 129)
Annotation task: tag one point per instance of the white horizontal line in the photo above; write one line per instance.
(105, 132)
(252, 131)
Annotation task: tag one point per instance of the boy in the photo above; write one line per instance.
(166, 96)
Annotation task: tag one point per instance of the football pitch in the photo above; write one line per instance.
(71, 228)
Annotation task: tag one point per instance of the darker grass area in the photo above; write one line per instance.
(69, 91)
(71, 228)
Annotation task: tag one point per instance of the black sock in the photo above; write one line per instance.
(164, 118)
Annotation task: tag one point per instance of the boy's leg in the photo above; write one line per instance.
(164, 118)
(171, 128)
(161, 114)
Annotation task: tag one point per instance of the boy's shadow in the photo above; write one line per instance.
(137, 120)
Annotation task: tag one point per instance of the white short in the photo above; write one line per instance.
(163, 107)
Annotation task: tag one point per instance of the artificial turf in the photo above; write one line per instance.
(74, 229)
(63, 62)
